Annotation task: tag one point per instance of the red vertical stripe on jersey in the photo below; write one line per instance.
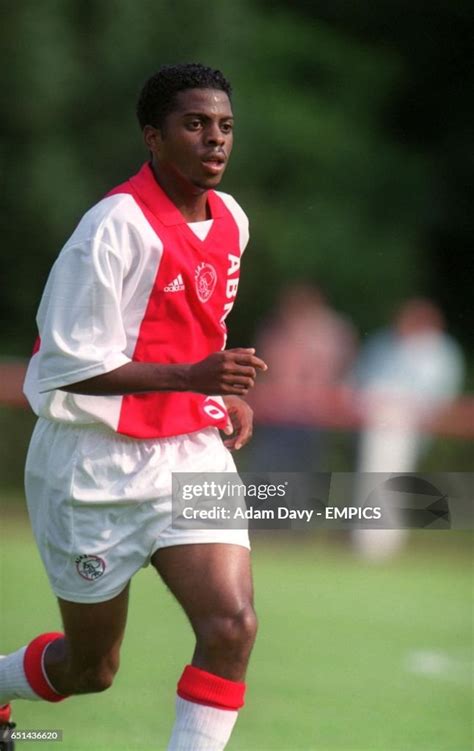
(185, 325)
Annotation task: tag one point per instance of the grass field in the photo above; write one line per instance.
(350, 657)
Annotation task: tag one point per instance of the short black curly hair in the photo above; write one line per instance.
(157, 96)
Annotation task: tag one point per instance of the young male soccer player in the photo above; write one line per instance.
(131, 382)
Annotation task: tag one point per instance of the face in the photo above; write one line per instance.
(196, 140)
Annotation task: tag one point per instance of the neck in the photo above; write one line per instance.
(189, 199)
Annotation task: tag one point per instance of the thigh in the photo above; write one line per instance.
(94, 632)
(213, 578)
(91, 649)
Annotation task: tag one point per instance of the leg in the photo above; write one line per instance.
(84, 660)
(87, 659)
(213, 584)
(388, 449)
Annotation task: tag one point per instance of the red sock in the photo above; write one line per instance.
(5, 714)
(200, 687)
(33, 666)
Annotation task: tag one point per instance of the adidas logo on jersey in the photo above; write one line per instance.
(177, 285)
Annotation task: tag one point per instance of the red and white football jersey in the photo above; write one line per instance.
(136, 283)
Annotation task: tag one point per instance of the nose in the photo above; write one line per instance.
(214, 135)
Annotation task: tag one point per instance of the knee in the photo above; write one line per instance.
(230, 633)
(96, 678)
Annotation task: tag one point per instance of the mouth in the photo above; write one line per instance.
(214, 163)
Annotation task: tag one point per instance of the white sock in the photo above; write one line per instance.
(13, 683)
(201, 728)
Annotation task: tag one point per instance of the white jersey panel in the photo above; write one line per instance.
(240, 217)
(92, 308)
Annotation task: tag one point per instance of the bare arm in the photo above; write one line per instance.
(232, 371)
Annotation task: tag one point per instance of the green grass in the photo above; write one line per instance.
(330, 671)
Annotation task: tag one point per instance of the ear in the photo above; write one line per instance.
(153, 139)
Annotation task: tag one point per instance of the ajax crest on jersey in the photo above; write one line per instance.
(206, 278)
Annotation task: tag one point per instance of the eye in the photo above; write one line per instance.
(194, 124)
(227, 127)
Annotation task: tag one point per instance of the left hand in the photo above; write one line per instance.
(240, 423)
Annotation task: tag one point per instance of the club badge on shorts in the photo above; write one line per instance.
(90, 567)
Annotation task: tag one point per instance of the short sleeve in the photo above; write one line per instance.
(80, 320)
(240, 217)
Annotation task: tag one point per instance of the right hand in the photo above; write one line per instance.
(232, 371)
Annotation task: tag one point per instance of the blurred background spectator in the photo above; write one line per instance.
(404, 377)
(309, 349)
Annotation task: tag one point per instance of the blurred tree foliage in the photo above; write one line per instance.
(333, 193)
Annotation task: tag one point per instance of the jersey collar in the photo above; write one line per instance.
(153, 195)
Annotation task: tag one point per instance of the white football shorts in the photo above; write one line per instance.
(100, 502)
